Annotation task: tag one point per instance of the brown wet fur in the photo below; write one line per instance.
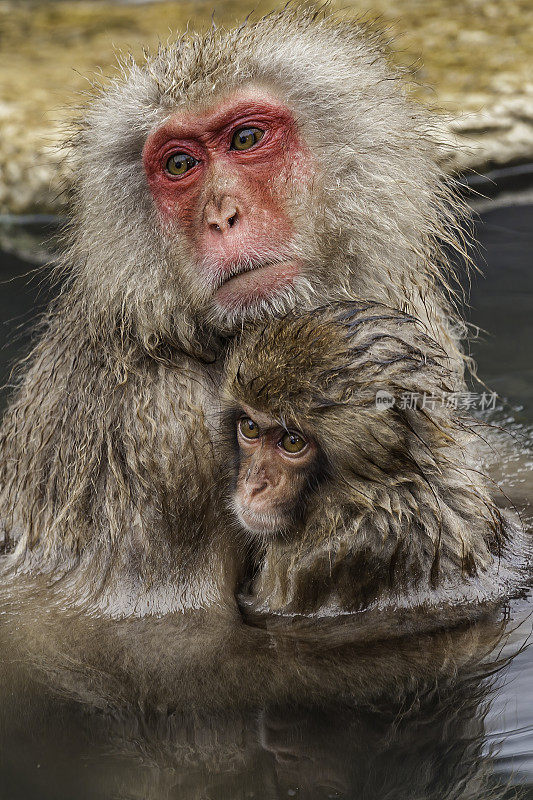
(401, 513)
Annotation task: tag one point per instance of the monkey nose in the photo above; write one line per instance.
(221, 218)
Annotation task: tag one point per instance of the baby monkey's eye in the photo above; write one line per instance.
(293, 443)
(245, 138)
(248, 428)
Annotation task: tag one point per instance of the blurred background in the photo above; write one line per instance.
(469, 59)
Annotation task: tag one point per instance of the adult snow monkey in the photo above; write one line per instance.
(231, 175)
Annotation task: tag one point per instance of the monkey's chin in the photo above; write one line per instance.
(254, 287)
(261, 524)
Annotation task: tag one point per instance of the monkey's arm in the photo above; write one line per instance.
(413, 550)
(108, 478)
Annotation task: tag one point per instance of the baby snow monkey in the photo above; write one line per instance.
(277, 467)
(353, 472)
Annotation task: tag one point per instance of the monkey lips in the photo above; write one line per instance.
(259, 283)
(260, 524)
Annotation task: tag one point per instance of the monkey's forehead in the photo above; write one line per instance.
(312, 62)
(298, 36)
(324, 341)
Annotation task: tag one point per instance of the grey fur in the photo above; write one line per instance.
(107, 477)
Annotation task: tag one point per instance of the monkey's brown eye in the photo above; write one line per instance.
(180, 163)
(245, 138)
(293, 443)
(248, 428)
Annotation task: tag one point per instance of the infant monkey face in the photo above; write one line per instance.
(275, 465)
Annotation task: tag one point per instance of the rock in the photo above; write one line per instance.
(495, 136)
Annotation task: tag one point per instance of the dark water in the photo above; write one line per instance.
(502, 304)
(468, 735)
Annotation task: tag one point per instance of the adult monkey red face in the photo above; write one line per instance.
(225, 177)
(333, 191)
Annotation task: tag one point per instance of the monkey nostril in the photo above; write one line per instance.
(223, 226)
(221, 216)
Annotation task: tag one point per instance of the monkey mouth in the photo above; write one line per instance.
(254, 283)
(259, 523)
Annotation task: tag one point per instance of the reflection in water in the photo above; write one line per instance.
(430, 746)
(420, 737)
(148, 711)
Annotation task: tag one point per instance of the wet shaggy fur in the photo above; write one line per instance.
(108, 482)
(401, 512)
